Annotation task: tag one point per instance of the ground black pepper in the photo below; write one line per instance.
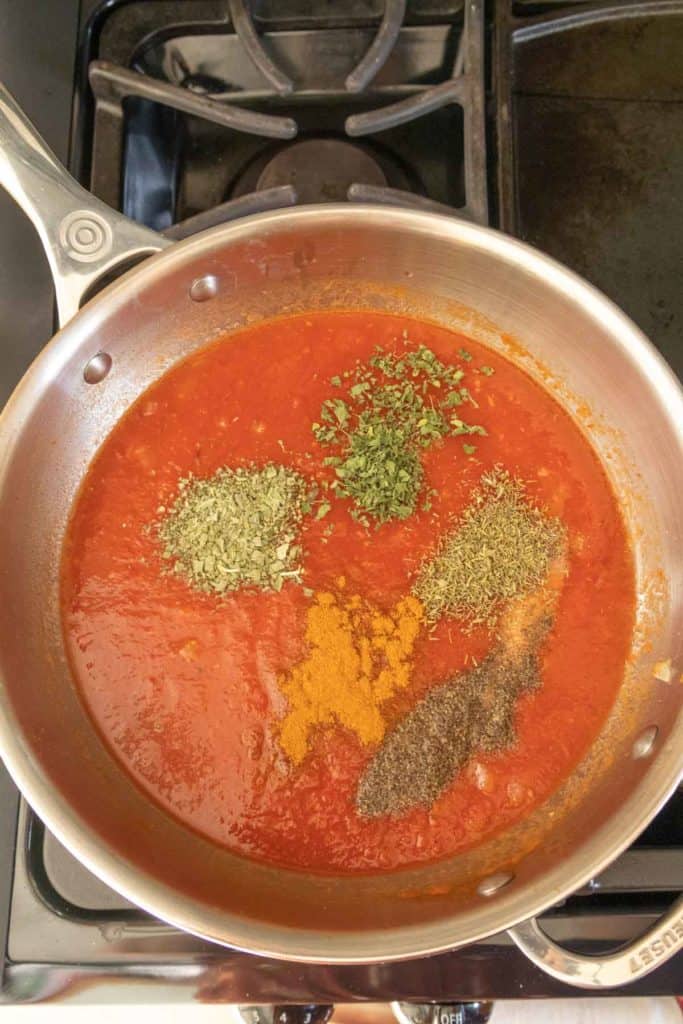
(473, 712)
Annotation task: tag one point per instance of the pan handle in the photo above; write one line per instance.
(634, 961)
(82, 237)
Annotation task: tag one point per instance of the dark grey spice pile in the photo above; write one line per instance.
(473, 712)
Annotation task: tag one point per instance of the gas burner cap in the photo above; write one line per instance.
(321, 170)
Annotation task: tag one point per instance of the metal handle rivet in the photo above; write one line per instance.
(644, 745)
(97, 368)
(85, 236)
(492, 884)
(203, 288)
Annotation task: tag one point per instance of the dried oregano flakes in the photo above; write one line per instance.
(237, 528)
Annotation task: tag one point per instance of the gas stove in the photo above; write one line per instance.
(557, 121)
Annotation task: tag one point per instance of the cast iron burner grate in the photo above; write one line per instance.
(196, 115)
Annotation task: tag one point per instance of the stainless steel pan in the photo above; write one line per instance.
(489, 285)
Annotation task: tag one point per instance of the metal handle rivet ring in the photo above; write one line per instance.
(85, 236)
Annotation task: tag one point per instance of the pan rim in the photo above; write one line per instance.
(343, 948)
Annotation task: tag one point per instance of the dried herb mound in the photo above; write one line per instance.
(394, 406)
(238, 528)
(502, 548)
(421, 757)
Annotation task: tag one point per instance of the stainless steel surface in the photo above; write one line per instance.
(381, 194)
(82, 238)
(604, 971)
(469, 277)
(204, 288)
(492, 884)
(117, 952)
(644, 744)
(67, 885)
(116, 930)
(233, 209)
(97, 368)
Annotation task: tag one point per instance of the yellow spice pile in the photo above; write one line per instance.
(358, 656)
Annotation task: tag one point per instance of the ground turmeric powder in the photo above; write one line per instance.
(358, 657)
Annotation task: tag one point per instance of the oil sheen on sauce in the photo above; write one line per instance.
(183, 687)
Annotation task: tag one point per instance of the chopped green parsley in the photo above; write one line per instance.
(394, 407)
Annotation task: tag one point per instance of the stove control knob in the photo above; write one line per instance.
(442, 1013)
(311, 1014)
(296, 1013)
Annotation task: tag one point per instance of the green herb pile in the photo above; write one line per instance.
(391, 408)
(238, 528)
(502, 548)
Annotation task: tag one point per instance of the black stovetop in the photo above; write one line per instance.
(564, 128)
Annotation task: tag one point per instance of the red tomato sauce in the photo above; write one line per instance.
(184, 686)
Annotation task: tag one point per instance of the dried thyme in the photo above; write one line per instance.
(501, 548)
(237, 528)
(392, 408)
